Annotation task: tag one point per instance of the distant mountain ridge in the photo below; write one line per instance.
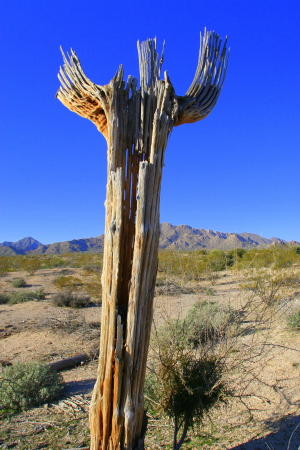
(20, 247)
(176, 237)
(184, 237)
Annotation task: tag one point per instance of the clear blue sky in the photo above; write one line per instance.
(238, 170)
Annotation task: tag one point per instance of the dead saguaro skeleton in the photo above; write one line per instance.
(136, 122)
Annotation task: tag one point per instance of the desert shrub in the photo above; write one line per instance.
(26, 296)
(233, 256)
(68, 283)
(65, 272)
(284, 257)
(293, 319)
(188, 382)
(4, 265)
(216, 259)
(92, 267)
(80, 301)
(171, 287)
(93, 287)
(30, 264)
(205, 323)
(183, 265)
(39, 294)
(4, 298)
(209, 291)
(52, 262)
(192, 265)
(271, 285)
(276, 257)
(209, 321)
(66, 299)
(62, 299)
(18, 282)
(85, 259)
(58, 278)
(23, 386)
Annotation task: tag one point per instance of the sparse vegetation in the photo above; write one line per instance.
(30, 264)
(269, 277)
(293, 319)
(186, 380)
(66, 299)
(209, 321)
(189, 265)
(26, 296)
(4, 265)
(23, 386)
(277, 257)
(4, 298)
(67, 283)
(93, 287)
(171, 287)
(18, 282)
(271, 285)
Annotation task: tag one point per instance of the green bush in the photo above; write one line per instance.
(185, 382)
(18, 283)
(23, 386)
(66, 299)
(205, 323)
(185, 265)
(4, 298)
(233, 256)
(26, 296)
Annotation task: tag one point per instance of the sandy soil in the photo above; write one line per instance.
(40, 331)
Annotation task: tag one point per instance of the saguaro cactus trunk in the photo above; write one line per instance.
(136, 122)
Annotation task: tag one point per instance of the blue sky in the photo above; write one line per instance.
(236, 171)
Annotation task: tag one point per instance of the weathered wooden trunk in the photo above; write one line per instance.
(139, 122)
(136, 122)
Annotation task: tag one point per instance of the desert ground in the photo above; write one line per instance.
(267, 416)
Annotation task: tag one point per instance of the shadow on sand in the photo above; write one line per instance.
(286, 436)
(79, 387)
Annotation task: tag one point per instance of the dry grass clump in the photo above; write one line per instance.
(66, 299)
(171, 287)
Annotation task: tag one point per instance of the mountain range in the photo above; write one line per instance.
(176, 237)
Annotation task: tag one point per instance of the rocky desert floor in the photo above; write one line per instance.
(265, 416)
